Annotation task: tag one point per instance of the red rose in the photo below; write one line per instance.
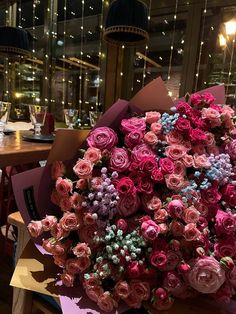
(225, 223)
(167, 165)
(211, 196)
(197, 135)
(122, 225)
(183, 108)
(134, 269)
(146, 185)
(128, 205)
(148, 164)
(126, 186)
(182, 125)
(157, 175)
(159, 259)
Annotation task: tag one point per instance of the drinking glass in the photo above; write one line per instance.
(4, 115)
(94, 116)
(70, 117)
(37, 117)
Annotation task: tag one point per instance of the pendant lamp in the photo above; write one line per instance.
(14, 42)
(127, 23)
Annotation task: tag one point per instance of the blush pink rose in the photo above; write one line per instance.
(153, 204)
(132, 124)
(82, 184)
(128, 205)
(133, 138)
(210, 139)
(119, 160)
(87, 234)
(47, 245)
(93, 154)
(60, 260)
(65, 204)
(57, 170)
(212, 115)
(106, 303)
(176, 208)
(102, 138)
(122, 288)
(94, 293)
(83, 169)
(96, 183)
(174, 138)
(156, 128)
(174, 182)
(67, 279)
(35, 228)
(64, 186)
(191, 215)
(176, 152)
(164, 228)
(81, 249)
(91, 282)
(141, 151)
(206, 275)
(150, 230)
(152, 116)
(201, 161)
(140, 288)
(83, 263)
(48, 222)
(199, 149)
(160, 216)
(231, 149)
(58, 232)
(76, 200)
(69, 221)
(191, 233)
(180, 168)
(150, 138)
(187, 160)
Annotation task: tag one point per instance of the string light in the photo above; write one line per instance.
(201, 45)
(64, 56)
(146, 47)
(81, 56)
(172, 42)
(230, 65)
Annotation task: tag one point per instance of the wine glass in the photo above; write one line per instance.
(37, 117)
(94, 116)
(4, 115)
(70, 117)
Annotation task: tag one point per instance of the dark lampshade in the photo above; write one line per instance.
(127, 23)
(14, 41)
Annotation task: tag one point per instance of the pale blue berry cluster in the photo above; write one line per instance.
(168, 122)
(221, 168)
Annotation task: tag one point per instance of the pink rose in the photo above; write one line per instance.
(119, 160)
(105, 302)
(128, 205)
(156, 128)
(152, 116)
(57, 170)
(191, 215)
(122, 288)
(151, 204)
(180, 168)
(182, 125)
(157, 175)
(183, 108)
(225, 223)
(159, 259)
(65, 204)
(208, 98)
(83, 263)
(160, 216)
(174, 138)
(67, 279)
(213, 150)
(47, 245)
(35, 228)
(72, 266)
(148, 164)
(83, 169)
(76, 200)
(133, 138)
(225, 247)
(211, 196)
(87, 233)
(201, 161)
(191, 233)
(96, 183)
(150, 230)
(55, 197)
(145, 185)
(94, 293)
(228, 110)
(82, 184)
(58, 232)
(164, 228)
(134, 269)
(177, 228)
(141, 289)
(231, 149)
(161, 293)
(174, 182)
(176, 152)
(175, 208)
(231, 276)
(206, 275)
(48, 222)
(133, 300)
(60, 260)
(81, 249)
(212, 115)
(69, 221)
(187, 160)
(102, 138)
(197, 135)
(91, 282)
(229, 194)
(141, 151)
(90, 219)
(132, 124)
(64, 186)
(210, 139)
(173, 259)
(150, 138)
(93, 154)
(172, 282)
(167, 165)
(122, 225)
(199, 149)
(195, 99)
(163, 304)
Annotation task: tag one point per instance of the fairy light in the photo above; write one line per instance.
(230, 65)
(146, 47)
(172, 42)
(33, 44)
(64, 56)
(19, 14)
(81, 56)
(201, 45)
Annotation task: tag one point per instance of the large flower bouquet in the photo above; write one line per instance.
(149, 212)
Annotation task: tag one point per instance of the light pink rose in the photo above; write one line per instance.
(122, 288)
(91, 282)
(133, 138)
(187, 160)
(60, 248)
(141, 289)
(69, 221)
(48, 222)
(90, 219)
(212, 115)
(96, 183)
(176, 208)
(150, 138)
(202, 208)
(176, 152)
(191, 215)
(231, 149)
(210, 139)
(174, 182)
(174, 138)
(163, 228)
(160, 215)
(65, 204)
(191, 233)
(128, 205)
(57, 170)
(94, 293)
(93, 154)
(150, 230)
(102, 138)
(154, 203)
(106, 303)
(83, 169)
(152, 116)
(206, 275)
(119, 160)
(180, 168)
(199, 149)
(156, 128)
(133, 124)
(58, 232)
(141, 151)
(48, 246)
(35, 228)
(64, 186)
(228, 110)
(81, 249)
(67, 279)
(87, 233)
(82, 184)
(201, 161)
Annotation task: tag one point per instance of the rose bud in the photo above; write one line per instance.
(184, 268)
(161, 293)
(122, 225)
(227, 263)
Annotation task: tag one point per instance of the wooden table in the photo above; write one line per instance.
(15, 151)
